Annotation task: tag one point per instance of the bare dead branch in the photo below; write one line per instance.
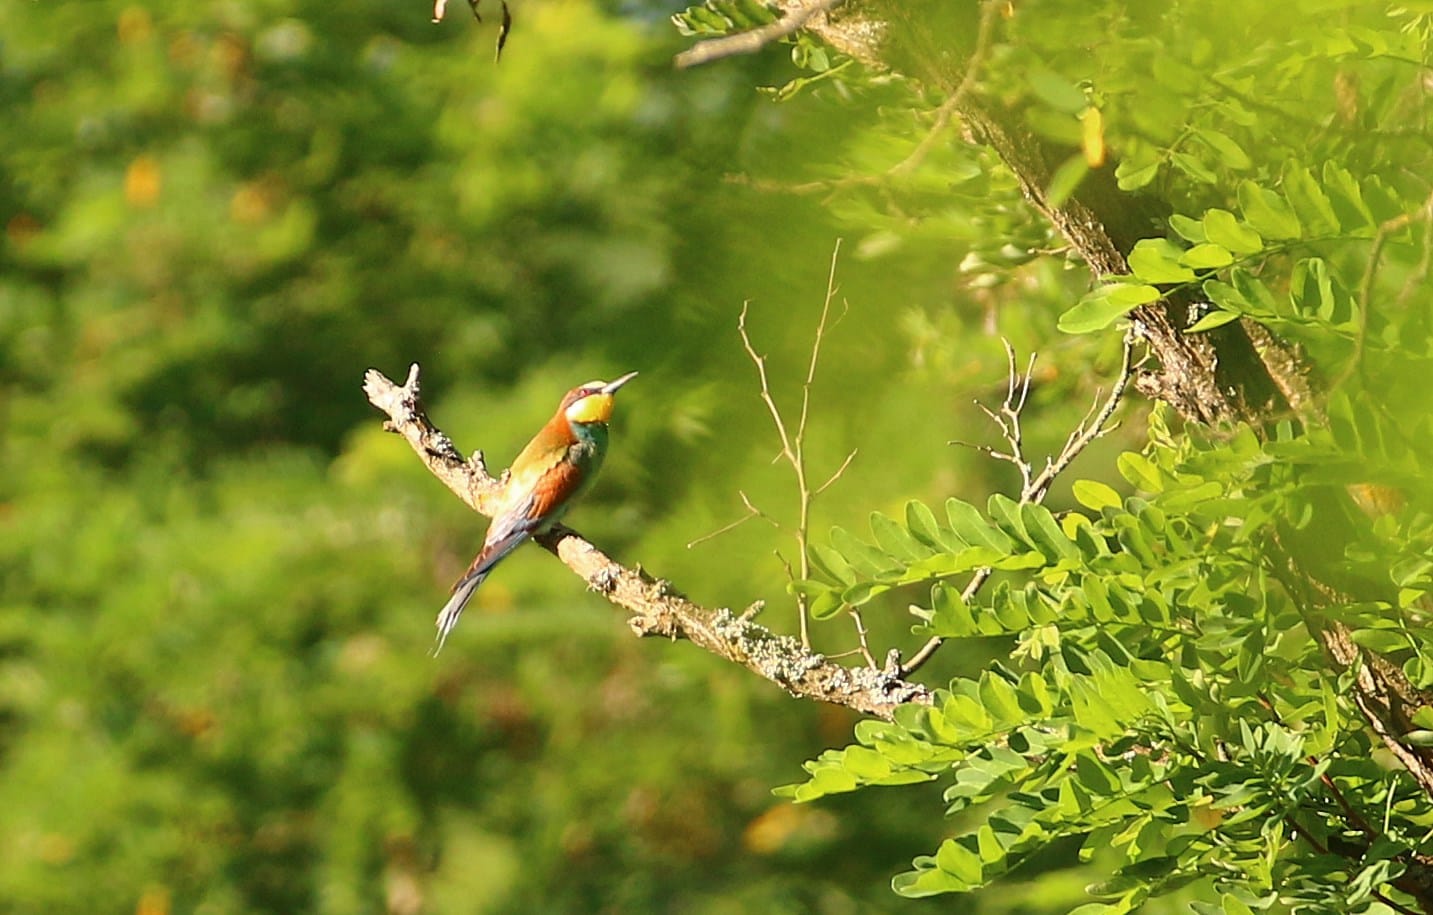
(793, 444)
(1007, 418)
(655, 607)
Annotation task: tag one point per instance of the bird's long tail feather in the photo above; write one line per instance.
(490, 556)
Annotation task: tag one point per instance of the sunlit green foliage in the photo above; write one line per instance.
(219, 574)
(1164, 693)
(1222, 252)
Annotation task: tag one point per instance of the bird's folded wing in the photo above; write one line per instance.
(552, 490)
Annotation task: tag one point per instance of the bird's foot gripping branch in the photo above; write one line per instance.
(656, 607)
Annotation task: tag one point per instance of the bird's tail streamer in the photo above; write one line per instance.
(491, 555)
(448, 616)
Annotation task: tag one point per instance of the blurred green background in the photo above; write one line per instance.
(218, 575)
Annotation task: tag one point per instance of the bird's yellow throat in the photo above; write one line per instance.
(594, 408)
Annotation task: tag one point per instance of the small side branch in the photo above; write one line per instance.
(989, 12)
(1366, 286)
(655, 607)
(749, 42)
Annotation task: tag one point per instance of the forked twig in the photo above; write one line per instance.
(1007, 418)
(793, 441)
(1035, 486)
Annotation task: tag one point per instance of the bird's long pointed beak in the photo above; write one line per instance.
(612, 386)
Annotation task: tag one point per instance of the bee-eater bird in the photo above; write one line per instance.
(552, 471)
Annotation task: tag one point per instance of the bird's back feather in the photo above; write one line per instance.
(552, 470)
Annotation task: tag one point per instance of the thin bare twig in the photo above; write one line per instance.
(724, 529)
(1370, 275)
(1088, 430)
(751, 512)
(989, 12)
(861, 637)
(840, 471)
(760, 362)
(1007, 418)
(793, 444)
(1365, 291)
(1420, 272)
(1035, 486)
(751, 41)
